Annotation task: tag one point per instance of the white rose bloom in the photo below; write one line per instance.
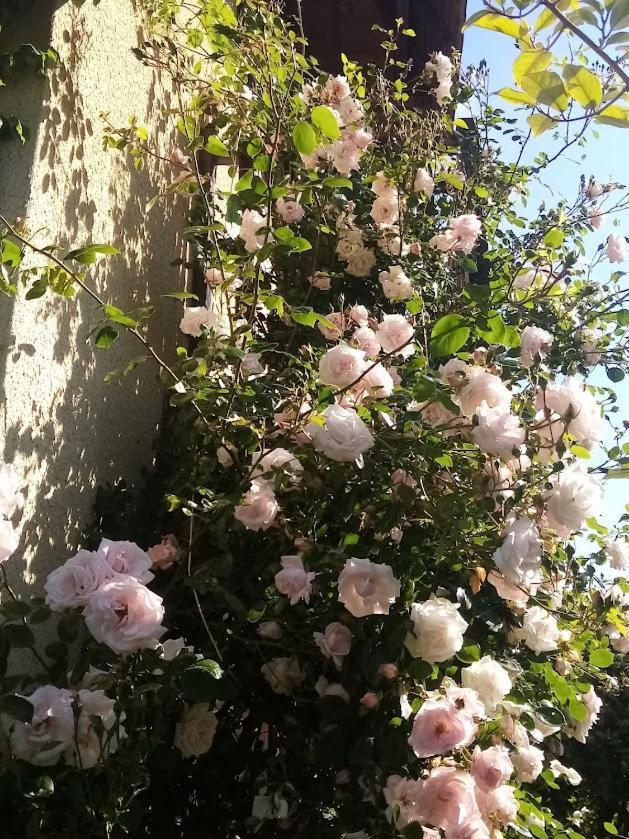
(76, 580)
(528, 762)
(489, 679)
(568, 406)
(616, 248)
(484, 387)
(437, 630)
(386, 209)
(341, 366)
(424, 183)
(335, 642)
(343, 436)
(259, 507)
(197, 317)
(395, 284)
(570, 774)
(377, 382)
(618, 553)
(126, 558)
(395, 333)
(593, 704)
(284, 675)
(277, 459)
(349, 243)
(366, 340)
(367, 588)
(497, 432)
(575, 497)
(534, 341)
(539, 630)
(9, 540)
(50, 731)
(194, 733)
(361, 263)
(519, 558)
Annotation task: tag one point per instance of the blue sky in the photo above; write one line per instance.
(605, 158)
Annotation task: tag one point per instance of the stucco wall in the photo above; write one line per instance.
(64, 429)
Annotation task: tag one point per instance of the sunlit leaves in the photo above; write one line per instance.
(498, 23)
(583, 85)
(449, 334)
(304, 138)
(326, 122)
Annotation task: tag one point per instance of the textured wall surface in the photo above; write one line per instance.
(60, 424)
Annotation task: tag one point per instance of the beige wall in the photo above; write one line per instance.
(60, 424)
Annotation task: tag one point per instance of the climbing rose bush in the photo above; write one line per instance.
(359, 609)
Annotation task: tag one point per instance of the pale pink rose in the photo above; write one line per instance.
(497, 432)
(385, 210)
(616, 248)
(343, 436)
(388, 670)
(325, 688)
(345, 156)
(277, 460)
(51, 729)
(350, 242)
(284, 675)
(337, 88)
(437, 630)
(350, 111)
(251, 224)
(376, 382)
(76, 580)
(447, 799)
(293, 580)
(334, 332)
(528, 762)
(436, 414)
(367, 588)
(196, 318)
(341, 366)
(575, 497)
(465, 700)
(312, 161)
(126, 558)
(568, 406)
(359, 314)
(466, 230)
(443, 242)
(395, 334)
(593, 704)
(395, 376)
(401, 794)
(454, 372)
(361, 263)
(165, 554)
(439, 727)
(618, 552)
(400, 476)
(367, 341)
(519, 558)
(491, 767)
(89, 746)
(539, 630)
(290, 211)
(270, 630)
(381, 185)
(9, 540)
(489, 679)
(125, 615)
(335, 642)
(499, 805)
(370, 700)
(360, 137)
(484, 387)
(395, 284)
(534, 341)
(596, 218)
(259, 507)
(195, 730)
(321, 280)
(424, 183)
(11, 498)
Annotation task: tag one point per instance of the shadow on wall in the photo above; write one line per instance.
(65, 428)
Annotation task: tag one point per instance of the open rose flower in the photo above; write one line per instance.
(126, 558)
(491, 767)
(274, 460)
(575, 496)
(439, 727)
(50, 732)
(528, 762)
(343, 435)
(395, 284)
(73, 583)
(367, 588)
(489, 679)
(335, 642)
(341, 366)
(195, 730)
(534, 342)
(395, 334)
(284, 675)
(293, 580)
(401, 794)
(437, 630)
(290, 211)
(125, 615)
(259, 507)
(447, 799)
(519, 558)
(497, 432)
